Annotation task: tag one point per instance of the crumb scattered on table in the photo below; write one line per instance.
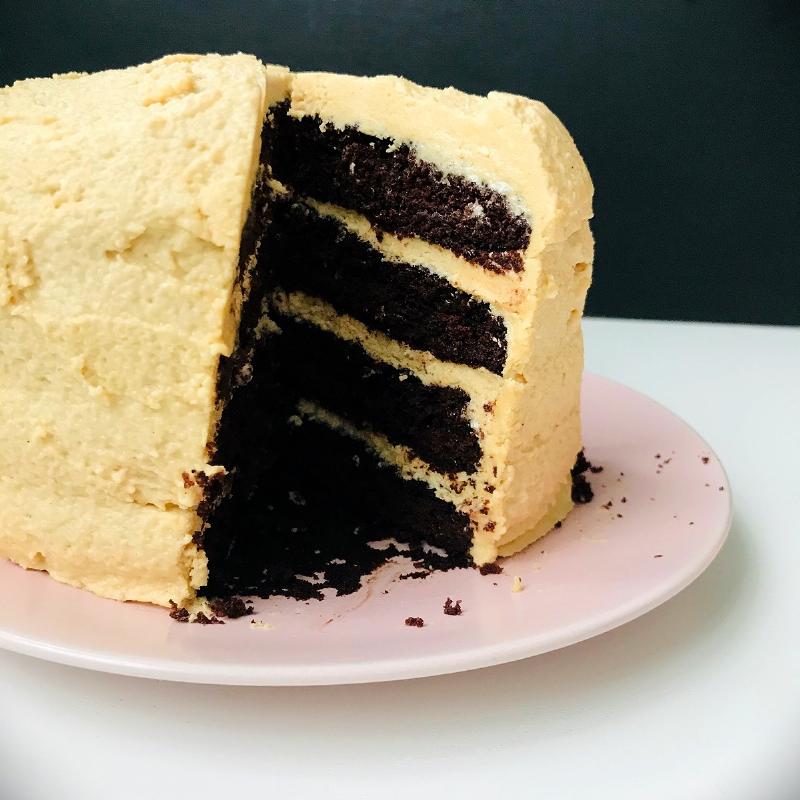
(415, 622)
(516, 584)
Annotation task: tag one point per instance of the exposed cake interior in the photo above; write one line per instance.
(377, 397)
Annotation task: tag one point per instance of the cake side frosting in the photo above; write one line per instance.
(121, 214)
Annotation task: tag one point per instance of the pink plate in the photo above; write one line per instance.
(661, 513)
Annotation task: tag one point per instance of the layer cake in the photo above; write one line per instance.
(262, 330)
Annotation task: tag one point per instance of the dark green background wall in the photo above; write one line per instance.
(688, 113)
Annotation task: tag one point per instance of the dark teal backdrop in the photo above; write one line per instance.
(688, 113)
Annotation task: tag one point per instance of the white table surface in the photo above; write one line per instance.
(699, 699)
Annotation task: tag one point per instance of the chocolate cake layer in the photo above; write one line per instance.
(316, 510)
(318, 255)
(242, 441)
(343, 378)
(395, 190)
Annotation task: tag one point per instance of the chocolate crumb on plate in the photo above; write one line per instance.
(658, 555)
(177, 613)
(201, 619)
(581, 488)
(490, 569)
(557, 525)
(422, 573)
(415, 622)
(452, 609)
(705, 459)
(231, 607)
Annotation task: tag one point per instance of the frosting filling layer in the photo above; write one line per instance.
(318, 255)
(431, 420)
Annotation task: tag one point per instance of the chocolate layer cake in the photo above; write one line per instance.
(261, 331)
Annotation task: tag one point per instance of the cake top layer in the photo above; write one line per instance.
(515, 146)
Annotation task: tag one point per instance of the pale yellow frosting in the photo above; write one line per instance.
(122, 201)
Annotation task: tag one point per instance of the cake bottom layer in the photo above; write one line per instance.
(320, 517)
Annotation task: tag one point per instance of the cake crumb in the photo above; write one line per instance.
(201, 619)
(658, 555)
(231, 607)
(422, 573)
(415, 622)
(259, 623)
(177, 613)
(516, 584)
(490, 569)
(581, 488)
(452, 609)
(705, 459)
